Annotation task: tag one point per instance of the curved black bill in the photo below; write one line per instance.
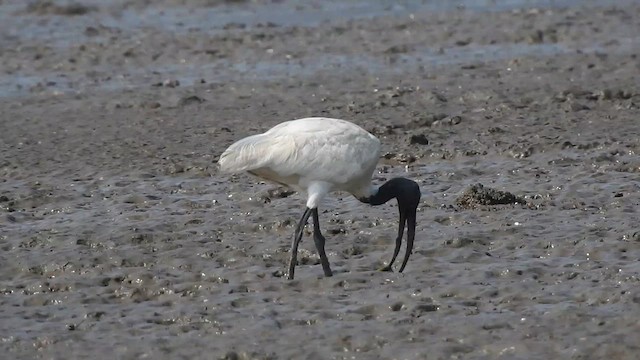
(408, 199)
(411, 235)
(408, 219)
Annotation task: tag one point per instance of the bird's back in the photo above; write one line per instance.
(311, 149)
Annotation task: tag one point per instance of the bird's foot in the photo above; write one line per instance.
(290, 275)
(386, 268)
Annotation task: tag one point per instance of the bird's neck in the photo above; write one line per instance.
(365, 193)
(406, 191)
(376, 196)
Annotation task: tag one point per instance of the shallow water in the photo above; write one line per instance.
(62, 31)
(68, 31)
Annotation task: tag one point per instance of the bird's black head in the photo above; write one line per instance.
(407, 192)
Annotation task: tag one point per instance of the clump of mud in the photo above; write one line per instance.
(479, 195)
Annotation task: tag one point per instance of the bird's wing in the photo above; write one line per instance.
(328, 150)
(255, 152)
(339, 158)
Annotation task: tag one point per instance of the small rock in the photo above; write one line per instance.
(134, 199)
(420, 308)
(470, 303)
(192, 99)
(572, 275)
(231, 355)
(386, 130)
(352, 250)
(175, 168)
(434, 97)
(278, 193)
(146, 238)
(623, 95)
(150, 105)
(50, 8)
(398, 49)
(395, 92)
(401, 158)
(574, 106)
(234, 25)
(171, 83)
(449, 121)
(537, 37)
(420, 139)
(605, 94)
(608, 94)
(459, 242)
(129, 53)
(428, 120)
(239, 289)
(91, 31)
(520, 151)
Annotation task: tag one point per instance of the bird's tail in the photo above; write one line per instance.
(247, 154)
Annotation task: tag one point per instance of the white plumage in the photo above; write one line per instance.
(320, 155)
(316, 155)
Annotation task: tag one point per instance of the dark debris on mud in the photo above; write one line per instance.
(479, 195)
(51, 8)
(277, 193)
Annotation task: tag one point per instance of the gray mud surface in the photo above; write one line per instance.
(120, 240)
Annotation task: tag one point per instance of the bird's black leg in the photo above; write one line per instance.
(296, 240)
(401, 223)
(319, 240)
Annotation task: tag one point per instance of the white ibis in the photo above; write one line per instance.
(321, 155)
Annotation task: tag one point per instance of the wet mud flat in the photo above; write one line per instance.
(119, 239)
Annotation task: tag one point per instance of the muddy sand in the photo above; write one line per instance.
(120, 240)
